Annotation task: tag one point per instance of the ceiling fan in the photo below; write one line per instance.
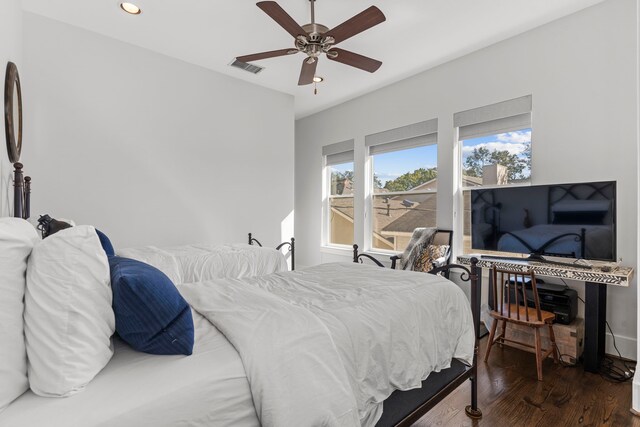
(315, 39)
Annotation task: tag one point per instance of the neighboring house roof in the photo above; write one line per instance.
(344, 208)
(402, 219)
(420, 215)
(396, 209)
(471, 181)
(424, 213)
(427, 186)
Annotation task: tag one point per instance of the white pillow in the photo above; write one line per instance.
(17, 238)
(68, 316)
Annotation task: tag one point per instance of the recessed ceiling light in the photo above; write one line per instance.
(318, 79)
(130, 8)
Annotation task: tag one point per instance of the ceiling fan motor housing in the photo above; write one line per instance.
(314, 43)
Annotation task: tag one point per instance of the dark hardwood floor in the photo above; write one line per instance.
(510, 395)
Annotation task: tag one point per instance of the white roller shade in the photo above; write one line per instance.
(339, 153)
(402, 138)
(494, 127)
(340, 158)
(493, 119)
(404, 144)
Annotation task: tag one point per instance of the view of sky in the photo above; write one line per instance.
(513, 142)
(389, 166)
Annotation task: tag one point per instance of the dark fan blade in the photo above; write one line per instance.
(308, 72)
(359, 23)
(355, 60)
(278, 14)
(264, 55)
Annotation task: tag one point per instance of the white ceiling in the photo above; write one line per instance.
(418, 34)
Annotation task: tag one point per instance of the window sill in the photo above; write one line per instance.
(336, 250)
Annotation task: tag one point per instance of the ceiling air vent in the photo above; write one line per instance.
(254, 69)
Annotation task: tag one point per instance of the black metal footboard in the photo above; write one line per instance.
(470, 275)
(433, 397)
(291, 246)
(358, 257)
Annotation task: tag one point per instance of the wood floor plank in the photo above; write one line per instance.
(510, 395)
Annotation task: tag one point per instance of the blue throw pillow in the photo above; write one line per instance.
(151, 315)
(106, 243)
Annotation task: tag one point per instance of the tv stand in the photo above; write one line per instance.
(596, 281)
(537, 258)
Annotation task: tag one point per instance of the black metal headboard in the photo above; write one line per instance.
(21, 193)
(290, 245)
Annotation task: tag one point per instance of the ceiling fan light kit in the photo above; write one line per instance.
(315, 39)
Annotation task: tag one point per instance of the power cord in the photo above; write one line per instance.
(608, 368)
(562, 361)
(621, 375)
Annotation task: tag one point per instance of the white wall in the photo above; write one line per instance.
(582, 73)
(10, 50)
(150, 149)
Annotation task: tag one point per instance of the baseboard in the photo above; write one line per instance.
(627, 346)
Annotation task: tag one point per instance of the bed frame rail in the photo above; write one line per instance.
(291, 246)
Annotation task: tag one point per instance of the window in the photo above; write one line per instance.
(339, 193)
(404, 185)
(495, 148)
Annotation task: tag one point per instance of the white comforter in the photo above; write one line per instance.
(325, 346)
(194, 263)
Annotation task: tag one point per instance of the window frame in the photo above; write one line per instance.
(421, 134)
(499, 113)
(340, 149)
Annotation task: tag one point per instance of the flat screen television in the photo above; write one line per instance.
(561, 220)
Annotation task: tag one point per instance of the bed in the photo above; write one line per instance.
(211, 387)
(586, 202)
(335, 344)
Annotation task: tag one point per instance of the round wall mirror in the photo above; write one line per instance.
(13, 112)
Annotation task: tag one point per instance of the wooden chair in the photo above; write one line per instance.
(507, 308)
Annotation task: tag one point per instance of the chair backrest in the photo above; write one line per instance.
(440, 237)
(444, 237)
(510, 297)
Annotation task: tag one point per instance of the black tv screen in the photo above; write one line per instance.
(567, 220)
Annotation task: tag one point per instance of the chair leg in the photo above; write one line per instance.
(503, 334)
(494, 326)
(538, 354)
(552, 338)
